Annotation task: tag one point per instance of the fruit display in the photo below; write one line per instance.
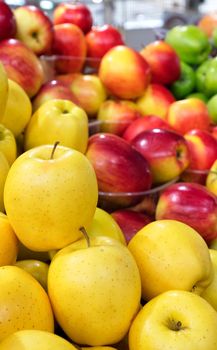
(108, 184)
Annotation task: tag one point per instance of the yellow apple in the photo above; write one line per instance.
(58, 120)
(4, 168)
(3, 89)
(38, 269)
(18, 108)
(50, 193)
(174, 320)
(103, 224)
(171, 255)
(24, 303)
(210, 293)
(35, 340)
(211, 179)
(95, 290)
(8, 145)
(8, 242)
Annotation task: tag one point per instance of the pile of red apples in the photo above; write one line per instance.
(140, 137)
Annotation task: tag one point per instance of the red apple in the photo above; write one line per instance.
(75, 13)
(52, 90)
(147, 122)
(203, 152)
(156, 100)
(192, 204)
(124, 72)
(119, 168)
(164, 62)
(116, 115)
(22, 65)
(8, 25)
(166, 152)
(130, 221)
(187, 114)
(69, 42)
(100, 40)
(34, 28)
(213, 131)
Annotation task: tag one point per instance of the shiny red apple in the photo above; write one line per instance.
(8, 26)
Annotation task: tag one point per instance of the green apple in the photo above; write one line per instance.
(103, 224)
(95, 290)
(210, 292)
(174, 320)
(58, 120)
(212, 108)
(49, 194)
(8, 145)
(4, 168)
(171, 255)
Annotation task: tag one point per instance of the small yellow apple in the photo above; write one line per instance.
(103, 224)
(24, 303)
(18, 109)
(210, 293)
(49, 194)
(175, 319)
(4, 168)
(35, 340)
(211, 180)
(95, 290)
(3, 89)
(38, 269)
(8, 145)
(171, 255)
(8, 242)
(58, 120)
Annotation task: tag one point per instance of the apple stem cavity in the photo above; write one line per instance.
(82, 229)
(175, 325)
(54, 149)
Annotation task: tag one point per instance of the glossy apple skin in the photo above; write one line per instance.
(156, 100)
(116, 115)
(75, 13)
(188, 114)
(147, 122)
(118, 167)
(52, 89)
(99, 40)
(130, 221)
(34, 28)
(166, 152)
(8, 26)
(192, 204)
(164, 62)
(69, 41)
(22, 65)
(203, 152)
(124, 72)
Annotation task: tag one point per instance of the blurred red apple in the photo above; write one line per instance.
(188, 114)
(22, 65)
(166, 152)
(8, 26)
(52, 90)
(147, 122)
(99, 40)
(124, 72)
(116, 115)
(130, 221)
(164, 62)
(69, 42)
(213, 131)
(34, 28)
(76, 13)
(156, 100)
(192, 204)
(119, 167)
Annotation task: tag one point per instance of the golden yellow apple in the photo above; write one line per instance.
(4, 168)
(3, 89)
(38, 269)
(211, 180)
(18, 109)
(210, 292)
(171, 255)
(8, 242)
(8, 145)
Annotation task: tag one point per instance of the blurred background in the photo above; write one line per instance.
(140, 21)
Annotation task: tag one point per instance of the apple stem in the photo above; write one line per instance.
(82, 229)
(54, 149)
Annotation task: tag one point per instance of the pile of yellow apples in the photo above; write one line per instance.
(70, 278)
